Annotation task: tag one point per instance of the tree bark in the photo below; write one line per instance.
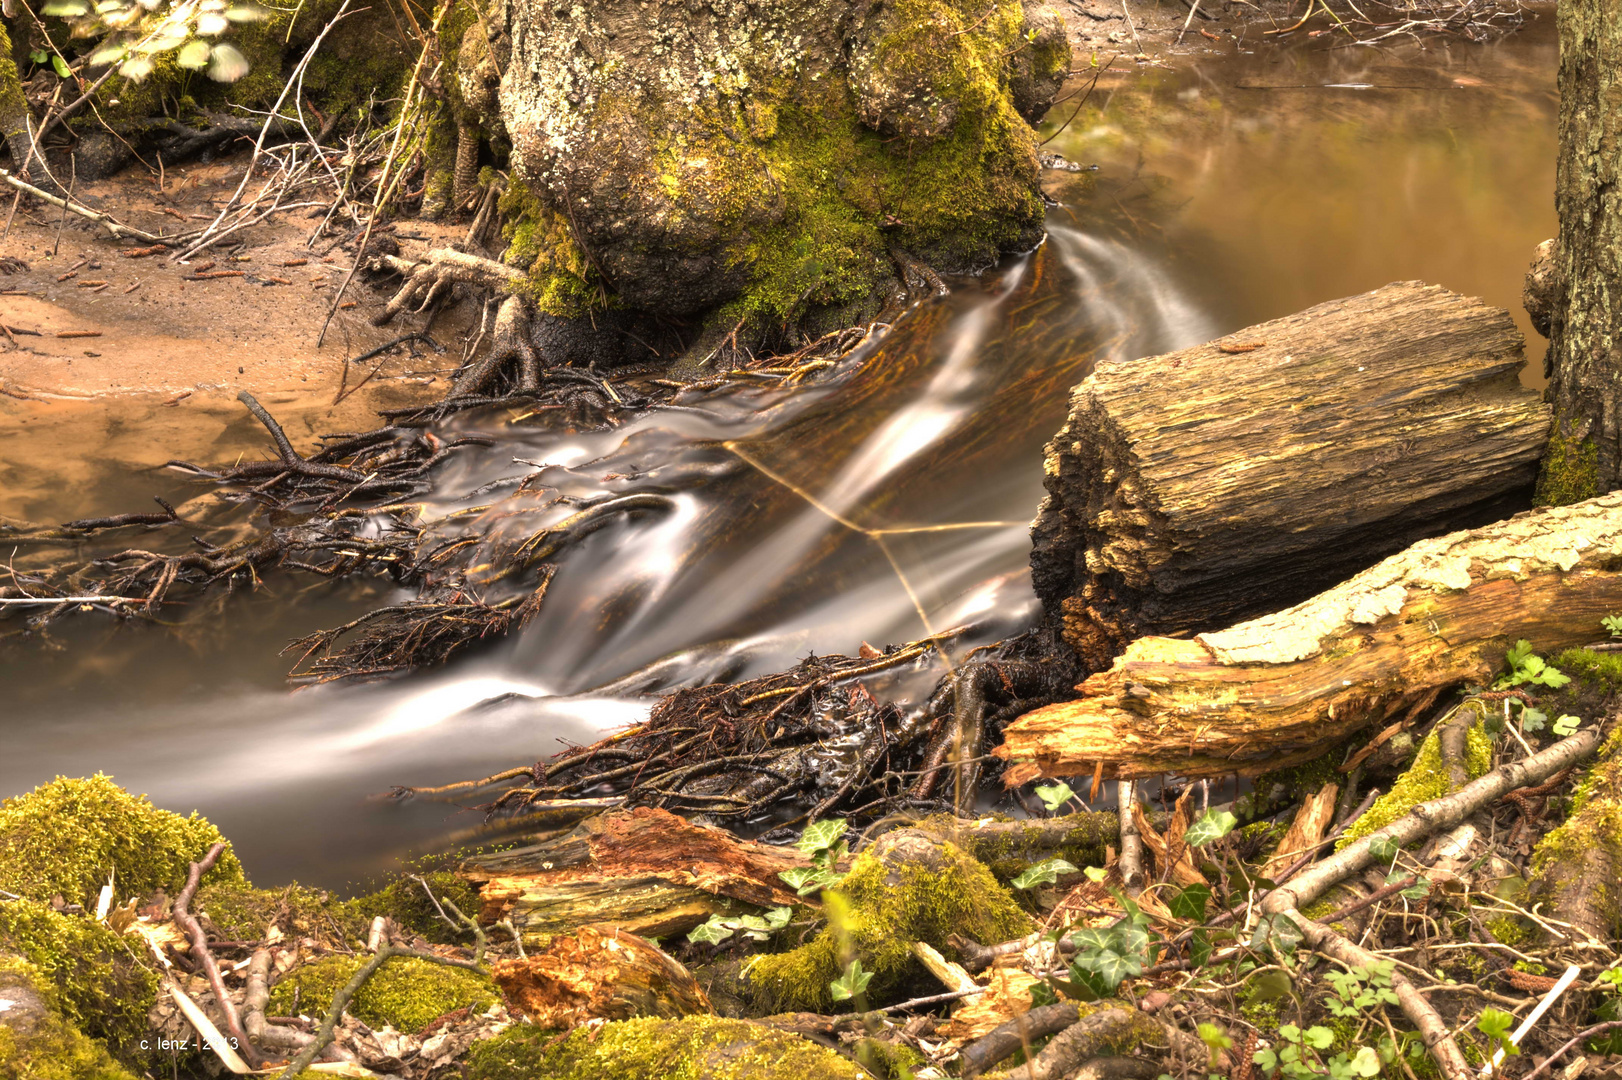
(1287, 687)
(1585, 320)
(1192, 490)
(598, 973)
(645, 871)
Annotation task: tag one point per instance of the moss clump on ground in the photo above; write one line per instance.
(1079, 839)
(693, 1048)
(560, 281)
(1425, 779)
(405, 901)
(13, 106)
(242, 913)
(1573, 867)
(100, 986)
(66, 836)
(1570, 471)
(405, 993)
(36, 1041)
(879, 910)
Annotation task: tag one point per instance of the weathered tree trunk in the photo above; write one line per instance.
(645, 871)
(598, 973)
(1387, 643)
(1585, 321)
(1191, 490)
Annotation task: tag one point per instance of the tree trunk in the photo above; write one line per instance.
(1386, 644)
(645, 871)
(1574, 867)
(1192, 490)
(1585, 320)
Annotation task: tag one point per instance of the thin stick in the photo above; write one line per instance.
(116, 228)
(199, 941)
(1586, 1033)
(1534, 1016)
(1131, 859)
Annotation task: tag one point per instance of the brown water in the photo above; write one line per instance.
(1216, 205)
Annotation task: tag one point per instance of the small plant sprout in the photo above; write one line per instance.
(1056, 796)
(1496, 1024)
(1613, 623)
(822, 842)
(852, 983)
(1528, 668)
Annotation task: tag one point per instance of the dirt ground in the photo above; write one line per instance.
(160, 377)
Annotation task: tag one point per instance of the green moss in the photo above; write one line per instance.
(100, 986)
(47, 1047)
(1425, 779)
(693, 1048)
(1307, 778)
(405, 992)
(242, 913)
(887, 1060)
(1570, 471)
(13, 106)
(560, 279)
(405, 901)
(1007, 854)
(1595, 821)
(66, 836)
(886, 910)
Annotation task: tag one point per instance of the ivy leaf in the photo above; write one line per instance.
(1384, 848)
(713, 931)
(1189, 904)
(854, 981)
(1045, 872)
(1092, 939)
(1111, 967)
(1055, 796)
(1096, 874)
(805, 880)
(1211, 825)
(1419, 889)
(820, 835)
(778, 917)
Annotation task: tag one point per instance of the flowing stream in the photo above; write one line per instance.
(885, 499)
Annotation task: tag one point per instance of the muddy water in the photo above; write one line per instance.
(1216, 204)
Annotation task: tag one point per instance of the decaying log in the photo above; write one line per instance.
(1285, 687)
(646, 871)
(1192, 490)
(598, 973)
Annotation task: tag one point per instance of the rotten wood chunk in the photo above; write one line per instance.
(1386, 644)
(1192, 490)
(643, 870)
(598, 972)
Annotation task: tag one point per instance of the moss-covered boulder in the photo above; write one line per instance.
(37, 1042)
(405, 993)
(100, 985)
(405, 901)
(907, 888)
(65, 838)
(693, 1048)
(763, 157)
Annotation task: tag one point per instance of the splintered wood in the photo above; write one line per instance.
(1386, 644)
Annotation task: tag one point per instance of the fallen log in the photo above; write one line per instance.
(645, 871)
(1386, 644)
(1192, 490)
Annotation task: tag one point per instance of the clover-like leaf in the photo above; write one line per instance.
(1055, 796)
(1319, 1038)
(193, 55)
(1366, 1062)
(1566, 726)
(1533, 719)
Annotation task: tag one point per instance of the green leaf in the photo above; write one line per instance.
(1319, 1038)
(1209, 826)
(820, 835)
(854, 981)
(713, 931)
(1419, 889)
(1496, 1025)
(1383, 848)
(1199, 948)
(1289, 1033)
(1267, 1060)
(1055, 796)
(1045, 872)
(67, 9)
(806, 880)
(1189, 904)
(193, 55)
(1612, 623)
(1111, 967)
(60, 66)
(1092, 939)
(136, 68)
(225, 64)
(39, 56)
(1567, 725)
(778, 917)
(239, 13)
(1268, 986)
(1533, 719)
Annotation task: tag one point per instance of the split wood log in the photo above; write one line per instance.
(1286, 687)
(1192, 490)
(598, 973)
(646, 871)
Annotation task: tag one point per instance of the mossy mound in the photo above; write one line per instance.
(1424, 780)
(405, 993)
(64, 838)
(36, 1041)
(404, 900)
(882, 906)
(100, 986)
(240, 912)
(693, 1048)
(1010, 848)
